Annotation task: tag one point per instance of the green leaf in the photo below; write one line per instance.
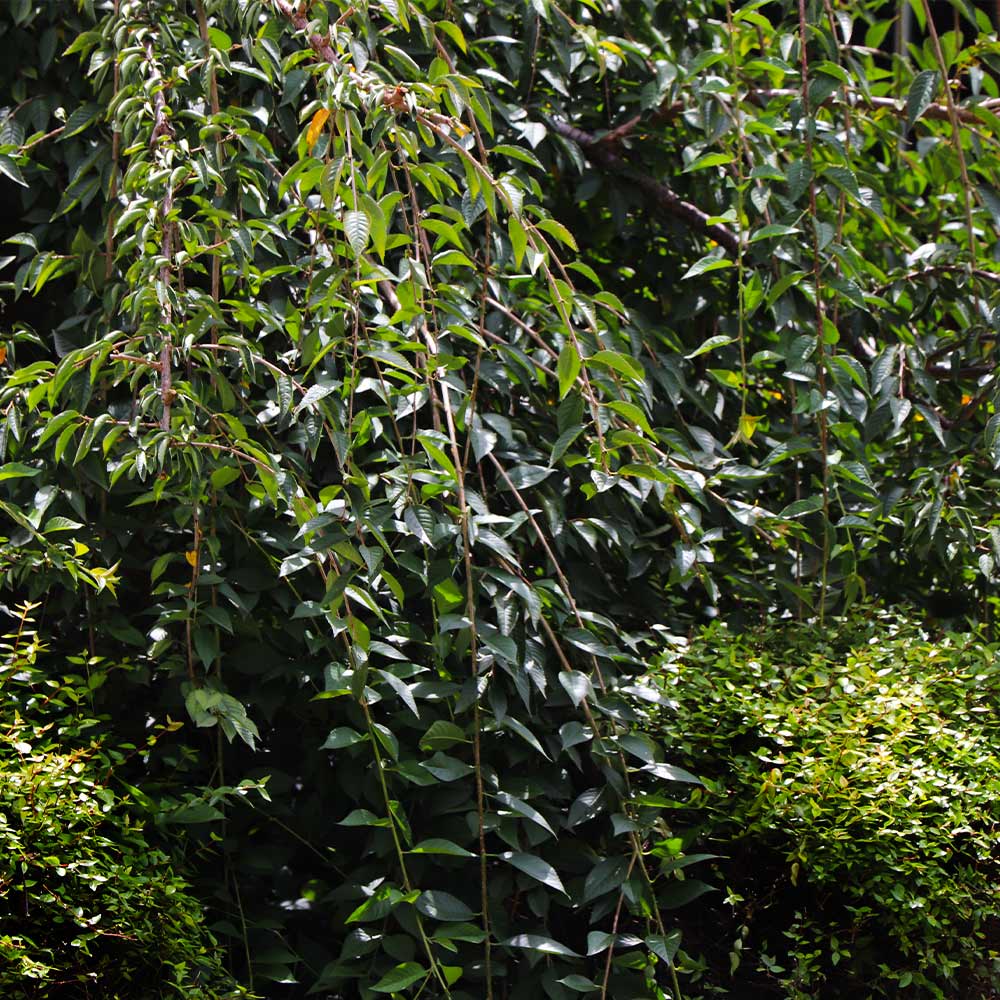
(670, 772)
(573, 733)
(622, 363)
(544, 945)
(639, 745)
(441, 735)
(362, 817)
(446, 768)
(438, 845)
(568, 368)
(709, 160)
(772, 231)
(460, 932)
(579, 984)
(577, 685)
(81, 118)
(606, 876)
(223, 476)
(443, 906)
(9, 168)
(404, 975)
(534, 866)
(517, 726)
(921, 95)
(714, 260)
(799, 508)
(632, 414)
(525, 476)
(719, 340)
(844, 178)
(529, 812)
(17, 470)
(681, 893)
(664, 946)
(598, 941)
(559, 231)
(342, 737)
(357, 228)
(518, 238)
(563, 443)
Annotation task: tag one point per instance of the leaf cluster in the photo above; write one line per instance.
(87, 902)
(851, 777)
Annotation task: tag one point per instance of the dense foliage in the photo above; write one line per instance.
(89, 907)
(849, 805)
(385, 381)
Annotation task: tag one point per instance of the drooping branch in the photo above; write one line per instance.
(162, 129)
(667, 200)
(602, 149)
(116, 136)
(213, 97)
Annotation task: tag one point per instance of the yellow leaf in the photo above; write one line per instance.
(748, 425)
(79, 548)
(105, 577)
(3, 353)
(316, 126)
(192, 557)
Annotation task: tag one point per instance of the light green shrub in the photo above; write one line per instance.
(88, 908)
(853, 792)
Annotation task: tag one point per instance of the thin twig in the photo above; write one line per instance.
(163, 130)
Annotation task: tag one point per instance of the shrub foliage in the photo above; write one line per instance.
(87, 906)
(851, 782)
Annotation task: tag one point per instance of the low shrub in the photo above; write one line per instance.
(88, 907)
(852, 793)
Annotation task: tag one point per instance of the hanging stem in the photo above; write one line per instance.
(740, 185)
(400, 856)
(816, 269)
(213, 98)
(956, 131)
(163, 130)
(116, 138)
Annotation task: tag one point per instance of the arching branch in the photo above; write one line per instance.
(667, 200)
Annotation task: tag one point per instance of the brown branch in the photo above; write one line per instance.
(320, 43)
(43, 138)
(968, 371)
(937, 269)
(133, 359)
(936, 112)
(663, 197)
(602, 149)
(529, 330)
(968, 114)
